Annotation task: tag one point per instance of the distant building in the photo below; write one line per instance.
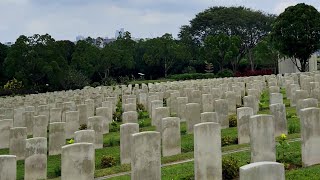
(9, 43)
(119, 33)
(79, 38)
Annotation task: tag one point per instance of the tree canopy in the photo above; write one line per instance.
(248, 24)
(296, 33)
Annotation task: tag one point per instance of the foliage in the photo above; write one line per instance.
(13, 85)
(114, 127)
(189, 69)
(254, 73)
(107, 161)
(83, 127)
(225, 73)
(191, 76)
(293, 127)
(283, 146)
(221, 50)
(232, 120)
(57, 171)
(75, 80)
(117, 116)
(248, 24)
(230, 168)
(296, 33)
(140, 107)
(71, 141)
(228, 140)
(112, 142)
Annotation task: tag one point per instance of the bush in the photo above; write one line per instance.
(13, 85)
(107, 161)
(191, 76)
(233, 120)
(57, 171)
(225, 73)
(83, 127)
(230, 168)
(189, 69)
(114, 127)
(140, 107)
(294, 127)
(227, 140)
(75, 80)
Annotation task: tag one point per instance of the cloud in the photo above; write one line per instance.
(65, 19)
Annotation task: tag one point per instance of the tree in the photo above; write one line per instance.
(165, 52)
(35, 60)
(222, 50)
(296, 33)
(3, 54)
(66, 49)
(265, 54)
(117, 57)
(85, 57)
(248, 24)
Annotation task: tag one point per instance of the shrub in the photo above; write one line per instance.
(71, 141)
(114, 127)
(230, 168)
(13, 85)
(142, 115)
(107, 161)
(225, 73)
(75, 80)
(227, 140)
(293, 128)
(117, 116)
(191, 76)
(83, 127)
(233, 120)
(140, 107)
(189, 69)
(57, 171)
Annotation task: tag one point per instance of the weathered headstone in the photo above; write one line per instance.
(107, 114)
(192, 116)
(207, 154)
(78, 161)
(130, 117)
(209, 117)
(250, 101)
(72, 123)
(221, 106)
(159, 114)
(310, 135)
(243, 117)
(145, 156)
(263, 147)
(29, 118)
(84, 136)
(57, 137)
(262, 171)
(55, 115)
(207, 103)
(181, 103)
(40, 126)
(83, 113)
(171, 138)
(126, 130)
(8, 167)
(96, 123)
(17, 145)
(5, 126)
(279, 113)
(35, 166)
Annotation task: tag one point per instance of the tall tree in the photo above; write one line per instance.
(164, 52)
(3, 55)
(35, 60)
(248, 24)
(296, 33)
(117, 57)
(221, 50)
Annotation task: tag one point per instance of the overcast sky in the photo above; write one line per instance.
(65, 19)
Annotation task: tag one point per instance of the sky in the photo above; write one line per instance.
(66, 19)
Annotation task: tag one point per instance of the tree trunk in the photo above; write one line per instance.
(303, 64)
(251, 59)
